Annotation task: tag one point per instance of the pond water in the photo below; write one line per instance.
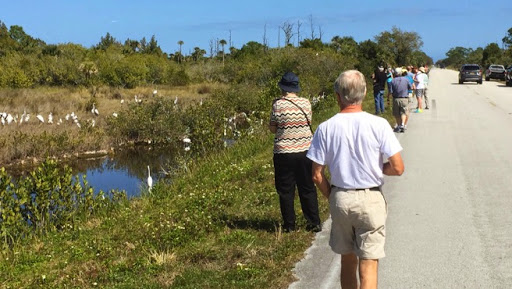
(126, 170)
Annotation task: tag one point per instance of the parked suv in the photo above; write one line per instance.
(470, 72)
(508, 76)
(495, 71)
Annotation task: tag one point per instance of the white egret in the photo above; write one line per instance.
(94, 110)
(22, 118)
(122, 101)
(150, 180)
(50, 118)
(176, 100)
(2, 120)
(155, 92)
(40, 118)
(186, 142)
(27, 117)
(9, 118)
(114, 114)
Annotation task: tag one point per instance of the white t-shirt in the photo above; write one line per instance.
(354, 146)
(421, 80)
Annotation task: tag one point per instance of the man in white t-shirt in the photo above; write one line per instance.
(354, 146)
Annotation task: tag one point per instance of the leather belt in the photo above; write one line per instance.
(345, 189)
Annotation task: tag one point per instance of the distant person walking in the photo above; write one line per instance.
(353, 145)
(379, 86)
(400, 90)
(420, 80)
(389, 75)
(290, 120)
(425, 81)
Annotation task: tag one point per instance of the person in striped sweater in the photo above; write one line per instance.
(290, 121)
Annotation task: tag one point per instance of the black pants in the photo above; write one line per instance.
(295, 169)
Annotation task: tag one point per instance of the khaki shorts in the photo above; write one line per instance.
(358, 222)
(400, 106)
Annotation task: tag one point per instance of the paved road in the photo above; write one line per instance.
(450, 213)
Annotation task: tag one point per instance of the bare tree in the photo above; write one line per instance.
(212, 46)
(230, 43)
(217, 46)
(288, 32)
(299, 24)
(320, 32)
(312, 26)
(265, 40)
(279, 37)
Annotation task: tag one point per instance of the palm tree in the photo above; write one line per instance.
(180, 43)
(222, 42)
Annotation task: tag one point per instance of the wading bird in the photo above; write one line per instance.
(40, 118)
(150, 180)
(94, 110)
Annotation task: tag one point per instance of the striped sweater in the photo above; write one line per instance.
(293, 134)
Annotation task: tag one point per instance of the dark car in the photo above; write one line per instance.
(470, 72)
(495, 71)
(508, 76)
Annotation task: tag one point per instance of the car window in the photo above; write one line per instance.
(471, 67)
(497, 66)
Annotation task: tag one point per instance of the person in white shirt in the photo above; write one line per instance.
(354, 145)
(420, 82)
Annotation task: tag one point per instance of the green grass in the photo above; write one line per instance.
(214, 226)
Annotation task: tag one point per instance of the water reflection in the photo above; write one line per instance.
(126, 170)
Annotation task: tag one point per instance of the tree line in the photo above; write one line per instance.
(27, 62)
(490, 54)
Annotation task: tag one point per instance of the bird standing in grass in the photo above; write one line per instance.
(94, 110)
(150, 180)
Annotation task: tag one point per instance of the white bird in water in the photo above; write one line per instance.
(40, 118)
(150, 180)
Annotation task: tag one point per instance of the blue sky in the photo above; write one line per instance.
(441, 24)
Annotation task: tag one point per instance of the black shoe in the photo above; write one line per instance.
(426, 107)
(402, 129)
(396, 129)
(314, 228)
(288, 229)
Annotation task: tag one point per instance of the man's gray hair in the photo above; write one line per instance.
(351, 86)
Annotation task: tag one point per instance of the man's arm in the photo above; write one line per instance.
(320, 179)
(394, 166)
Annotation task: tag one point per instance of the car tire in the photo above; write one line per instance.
(479, 82)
